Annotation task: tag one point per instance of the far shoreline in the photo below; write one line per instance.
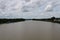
(54, 20)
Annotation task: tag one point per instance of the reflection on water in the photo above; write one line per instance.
(30, 30)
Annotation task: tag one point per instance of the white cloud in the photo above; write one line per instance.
(49, 7)
(32, 8)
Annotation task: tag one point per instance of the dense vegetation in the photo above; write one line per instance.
(11, 20)
(53, 19)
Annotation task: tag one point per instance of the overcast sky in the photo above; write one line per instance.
(29, 8)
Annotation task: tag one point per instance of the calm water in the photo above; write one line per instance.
(30, 30)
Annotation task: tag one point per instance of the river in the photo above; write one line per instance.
(30, 30)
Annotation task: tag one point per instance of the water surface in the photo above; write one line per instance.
(30, 30)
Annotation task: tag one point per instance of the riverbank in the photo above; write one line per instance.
(10, 20)
(56, 20)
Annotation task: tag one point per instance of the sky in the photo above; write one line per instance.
(29, 8)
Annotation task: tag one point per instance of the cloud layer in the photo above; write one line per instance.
(29, 8)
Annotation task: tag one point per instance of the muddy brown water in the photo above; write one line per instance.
(30, 30)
